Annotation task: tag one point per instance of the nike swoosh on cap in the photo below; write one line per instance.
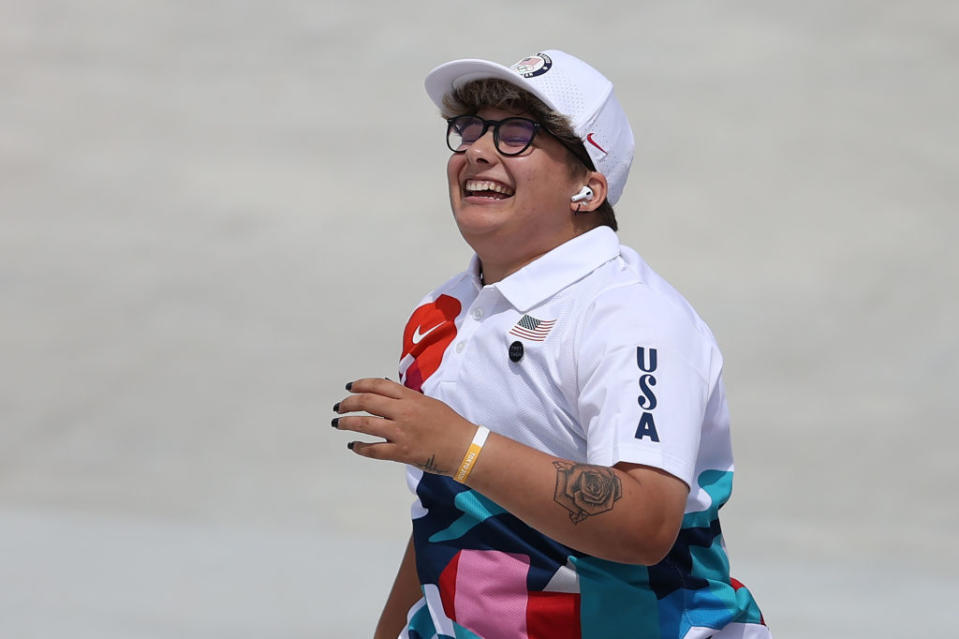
(589, 138)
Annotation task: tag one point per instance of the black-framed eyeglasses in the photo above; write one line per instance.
(511, 136)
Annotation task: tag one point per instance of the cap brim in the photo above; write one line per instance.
(445, 78)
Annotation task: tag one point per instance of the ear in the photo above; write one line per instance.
(597, 182)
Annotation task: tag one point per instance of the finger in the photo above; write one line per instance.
(378, 386)
(373, 450)
(375, 426)
(368, 402)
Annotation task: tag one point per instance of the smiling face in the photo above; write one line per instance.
(511, 210)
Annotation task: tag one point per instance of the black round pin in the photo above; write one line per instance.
(516, 351)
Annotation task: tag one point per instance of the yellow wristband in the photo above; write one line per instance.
(469, 459)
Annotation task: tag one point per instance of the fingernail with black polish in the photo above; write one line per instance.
(336, 407)
(336, 422)
(350, 445)
(349, 386)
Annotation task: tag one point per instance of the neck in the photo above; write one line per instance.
(501, 258)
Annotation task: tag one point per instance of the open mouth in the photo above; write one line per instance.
(487, 189)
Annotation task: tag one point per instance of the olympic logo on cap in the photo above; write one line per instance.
(533, 66)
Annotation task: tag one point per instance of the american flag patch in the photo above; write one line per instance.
(528, 327)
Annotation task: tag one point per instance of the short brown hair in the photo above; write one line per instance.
(499, 94)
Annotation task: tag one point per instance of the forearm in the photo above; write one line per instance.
(636, 522)
(605, 512)
(405, 592)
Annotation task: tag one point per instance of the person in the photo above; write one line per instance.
(561, 407)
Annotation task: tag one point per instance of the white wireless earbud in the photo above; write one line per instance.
(585, 193)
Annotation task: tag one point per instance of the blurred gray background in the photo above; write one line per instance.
(214, 214)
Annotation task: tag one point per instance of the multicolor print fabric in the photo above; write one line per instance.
(493, 576)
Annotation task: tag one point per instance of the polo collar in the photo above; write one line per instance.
(549, 274)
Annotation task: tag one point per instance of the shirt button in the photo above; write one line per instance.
(477, 313)
(460, 346)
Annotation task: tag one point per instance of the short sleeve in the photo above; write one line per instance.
(645, 375)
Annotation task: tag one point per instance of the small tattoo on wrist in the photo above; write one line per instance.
(430, 466)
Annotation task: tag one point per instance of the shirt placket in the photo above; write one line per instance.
(479, 312)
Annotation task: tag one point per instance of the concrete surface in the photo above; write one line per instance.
(214, 214)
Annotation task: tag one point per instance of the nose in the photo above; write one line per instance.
(483, 150)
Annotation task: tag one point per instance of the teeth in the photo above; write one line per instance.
(487, 185)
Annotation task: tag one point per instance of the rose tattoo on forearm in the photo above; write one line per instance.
(585, 490)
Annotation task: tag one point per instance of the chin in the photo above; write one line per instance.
(482, 217)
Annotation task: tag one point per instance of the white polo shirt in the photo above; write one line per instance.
(619, 368)
(613, 365)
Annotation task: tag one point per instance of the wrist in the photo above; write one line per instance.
(472, 454)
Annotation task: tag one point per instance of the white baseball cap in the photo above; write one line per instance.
(568, 86)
